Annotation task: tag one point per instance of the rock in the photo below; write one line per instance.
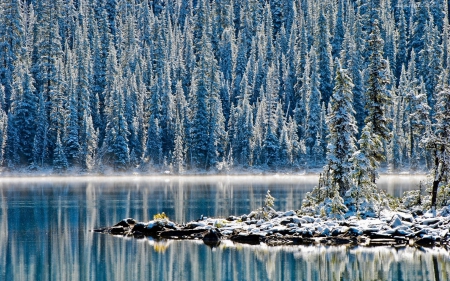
(259, 223)
(286, 221)
(417, 212)
(232, 218)
(308, 219)
(405, 216)
(325, 231)
(123, 223)
(335, 232)
(430, 221)
(370, 230)
(140, 227)
(193, 225)
(117, 230)
(396, 221)
(212, 238)
(153, 228)
(355, 231)
(427, 240)
(289, 213)
(253, 239)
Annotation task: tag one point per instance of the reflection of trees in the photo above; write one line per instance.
(3, 232)
(44, 231)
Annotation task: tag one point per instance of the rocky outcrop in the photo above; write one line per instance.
(289, 228)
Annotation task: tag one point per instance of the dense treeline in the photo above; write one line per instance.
(212, 85)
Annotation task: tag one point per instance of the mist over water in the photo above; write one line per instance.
(45, 232)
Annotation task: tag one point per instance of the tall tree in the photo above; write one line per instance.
(11, 44)
(342, 130)
(378, 96)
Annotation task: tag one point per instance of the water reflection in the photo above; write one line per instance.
(44, 234)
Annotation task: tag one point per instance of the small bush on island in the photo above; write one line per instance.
(160, 216)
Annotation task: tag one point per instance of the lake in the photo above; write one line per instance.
(46, 223)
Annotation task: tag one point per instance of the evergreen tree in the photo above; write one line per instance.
(243, 126)
(342, 127)
(60, 163)
(115, 151)
(313, 108)
(11, 45)
(419, 118)
(324, 59)
(3, 135)
(437, 141)
(378, 97)
(22, 116)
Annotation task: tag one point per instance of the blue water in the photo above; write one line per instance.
(45, 233)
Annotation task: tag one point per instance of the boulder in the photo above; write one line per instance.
(395, 221)
(212, 238)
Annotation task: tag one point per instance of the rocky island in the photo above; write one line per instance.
(392, 228)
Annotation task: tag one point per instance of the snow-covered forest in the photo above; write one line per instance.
(195, 85)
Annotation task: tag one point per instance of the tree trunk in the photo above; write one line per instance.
(436, 181)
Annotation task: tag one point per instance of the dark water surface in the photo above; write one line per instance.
(45, 233)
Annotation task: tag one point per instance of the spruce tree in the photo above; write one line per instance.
(378, 96)
(342, 130)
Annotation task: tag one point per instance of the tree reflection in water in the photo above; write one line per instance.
(44, 234)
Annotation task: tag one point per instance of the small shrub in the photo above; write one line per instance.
(160, 216)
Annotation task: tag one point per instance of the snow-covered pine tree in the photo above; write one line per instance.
(204, 91)
(11, 45)
(362, 197)
(342, 131)
(419, 26)
(313, 95)
(60, 163)
(115, 151)
(438, 140)
(40, 141)
(3, 135)
(22, 116)
(324, 59)
(243, 127)
(377, 97)
(419, 121)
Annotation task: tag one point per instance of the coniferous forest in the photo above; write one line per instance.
(217, 85)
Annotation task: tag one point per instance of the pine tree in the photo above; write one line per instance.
(313, 108)
(204, 101)
(22, 116)
(342, 127)
(324, 59)
(243, 126)
(11, 45)
(115, 151)
(437, 141)
(60, 163)
(3, 135)
(360, 197)
(40, 141)
(378, 97)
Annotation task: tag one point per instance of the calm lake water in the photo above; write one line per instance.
(45, 233)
